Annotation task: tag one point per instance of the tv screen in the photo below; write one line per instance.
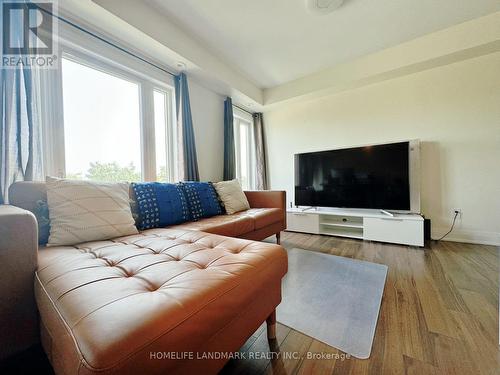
(362, 177)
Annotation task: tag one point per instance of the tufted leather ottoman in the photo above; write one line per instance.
(123, 306)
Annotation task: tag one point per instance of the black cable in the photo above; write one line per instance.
(452, 226)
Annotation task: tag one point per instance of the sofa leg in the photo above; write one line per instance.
(271, 326)
(278, 238)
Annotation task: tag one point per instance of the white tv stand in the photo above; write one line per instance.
(373, 225)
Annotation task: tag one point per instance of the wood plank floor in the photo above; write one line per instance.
(439, 315)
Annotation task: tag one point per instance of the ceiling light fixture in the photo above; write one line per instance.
(323, 6)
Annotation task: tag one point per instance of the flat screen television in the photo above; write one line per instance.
(383, 176)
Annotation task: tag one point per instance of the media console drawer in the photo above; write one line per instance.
(302, 222)
(394, 230)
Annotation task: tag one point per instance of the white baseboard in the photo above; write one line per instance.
(468, 236)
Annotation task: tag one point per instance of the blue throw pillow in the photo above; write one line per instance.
(41, 213)
(202, 200)
(160, 204)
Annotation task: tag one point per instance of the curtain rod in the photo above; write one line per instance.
(78, 27)
(243, 109)
(104, 40)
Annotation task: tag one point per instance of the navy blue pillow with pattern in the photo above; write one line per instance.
(41, 212)
(202, 200)
(160, 204)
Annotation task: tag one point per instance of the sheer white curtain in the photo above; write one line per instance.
(260, 152)
(20, 131)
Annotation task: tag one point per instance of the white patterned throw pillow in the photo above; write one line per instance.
(82, 211)
(232, 196)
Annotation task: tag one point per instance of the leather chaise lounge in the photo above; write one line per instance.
(172, 300)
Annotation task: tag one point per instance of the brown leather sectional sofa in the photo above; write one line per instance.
(169, 300)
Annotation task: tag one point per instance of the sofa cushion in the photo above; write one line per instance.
(111, 303)
(232, 196)
(160, 204)
(202, 200)
(236, 224)
(82, 211)
(225, 225)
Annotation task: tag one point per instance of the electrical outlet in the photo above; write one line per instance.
(459, 211)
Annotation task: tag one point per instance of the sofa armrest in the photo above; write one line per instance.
(268, 199)
(18, 262)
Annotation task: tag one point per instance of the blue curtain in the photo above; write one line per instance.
(188, 163)
(229, 148)
(20, 144)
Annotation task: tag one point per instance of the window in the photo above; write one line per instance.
(161, 109)
(244, 147)
(108, 116)
(101, 125)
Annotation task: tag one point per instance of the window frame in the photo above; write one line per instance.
(96, 55)
(240, 119)
(170, 157)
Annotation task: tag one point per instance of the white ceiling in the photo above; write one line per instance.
(275, 41)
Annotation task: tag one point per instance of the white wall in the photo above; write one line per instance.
(454, 110)
(207, 109)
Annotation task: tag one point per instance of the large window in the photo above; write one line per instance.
(245, 150)
(102, 138)
(109, 115)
